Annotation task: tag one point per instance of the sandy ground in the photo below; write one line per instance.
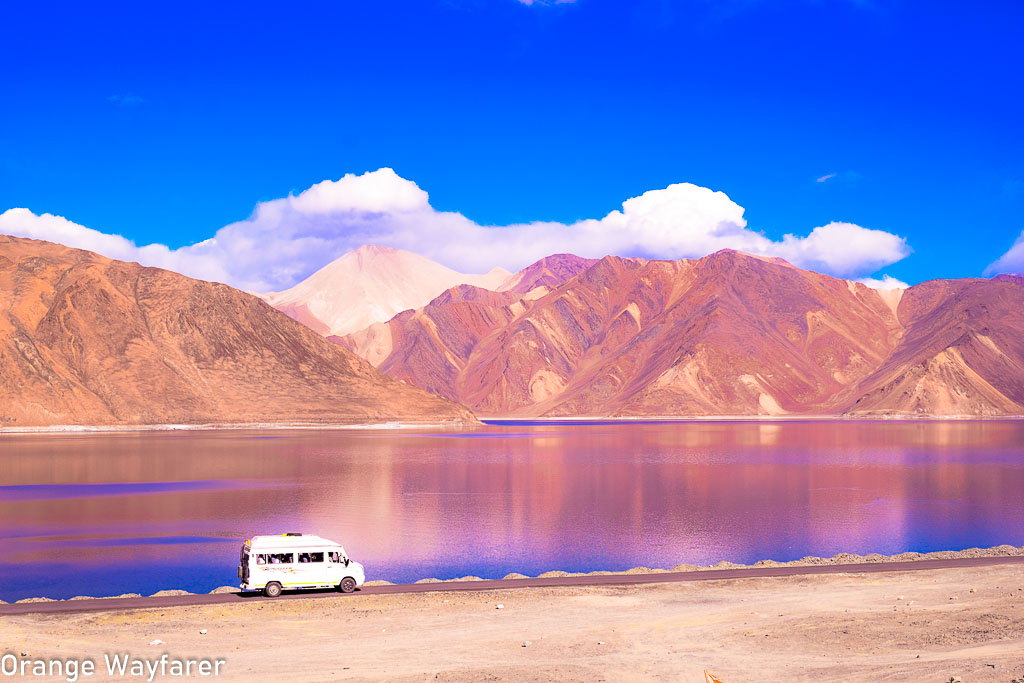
(908, 626)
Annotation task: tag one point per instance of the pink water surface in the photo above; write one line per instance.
(107, 514)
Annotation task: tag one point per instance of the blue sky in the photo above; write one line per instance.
(164, 124)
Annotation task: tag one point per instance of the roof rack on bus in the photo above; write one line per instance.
(291, 534)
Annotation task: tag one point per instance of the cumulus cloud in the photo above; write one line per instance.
(887, 282)
(287, 239)
(24, 223)
(842, 249)
(1010, 262)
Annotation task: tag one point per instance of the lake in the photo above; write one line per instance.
(104, 514)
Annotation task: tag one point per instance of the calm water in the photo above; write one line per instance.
(115, 513)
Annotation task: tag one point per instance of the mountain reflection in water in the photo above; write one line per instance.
(103, 514)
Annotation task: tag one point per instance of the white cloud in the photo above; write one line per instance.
(842, 249)
(381, 191)
(547, 2)
(24, 223)
(887, 282)
(287, 239)
(1010, 262)
(827, 177)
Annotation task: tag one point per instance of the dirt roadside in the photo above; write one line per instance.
(919, 626)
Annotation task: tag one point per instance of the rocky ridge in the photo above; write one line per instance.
(727, 334)
(86, 340)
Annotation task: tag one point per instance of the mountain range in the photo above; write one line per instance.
(727, 334)
(86, 340)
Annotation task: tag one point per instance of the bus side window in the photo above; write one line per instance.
(261, 559)
(334, 556)
(316, 557)
(281, 558)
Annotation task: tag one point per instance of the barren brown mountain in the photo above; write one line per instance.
(962, 352)
(368, 285)
(728, 334)
(429, 347)
(550, 271)
(85, 340)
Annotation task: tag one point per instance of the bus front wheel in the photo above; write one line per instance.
(272, 589)
(347, 585)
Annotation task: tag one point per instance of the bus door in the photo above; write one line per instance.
(335, 567)
(243, 568)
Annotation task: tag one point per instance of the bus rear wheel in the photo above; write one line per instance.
(347, 585)
(272, 589)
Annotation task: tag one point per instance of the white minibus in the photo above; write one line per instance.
(290, 561)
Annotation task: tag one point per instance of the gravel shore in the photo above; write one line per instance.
(840, 559)
(929, 625)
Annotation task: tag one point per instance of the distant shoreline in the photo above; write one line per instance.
(239, 426)
(756, 418)
(399, 424)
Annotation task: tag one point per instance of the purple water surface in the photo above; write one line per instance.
(104, 514)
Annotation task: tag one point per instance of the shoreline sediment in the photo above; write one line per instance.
(247, 426)
(481, 421)
(858, 623)
(836, 560)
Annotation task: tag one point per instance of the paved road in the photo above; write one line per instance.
(66, 606)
